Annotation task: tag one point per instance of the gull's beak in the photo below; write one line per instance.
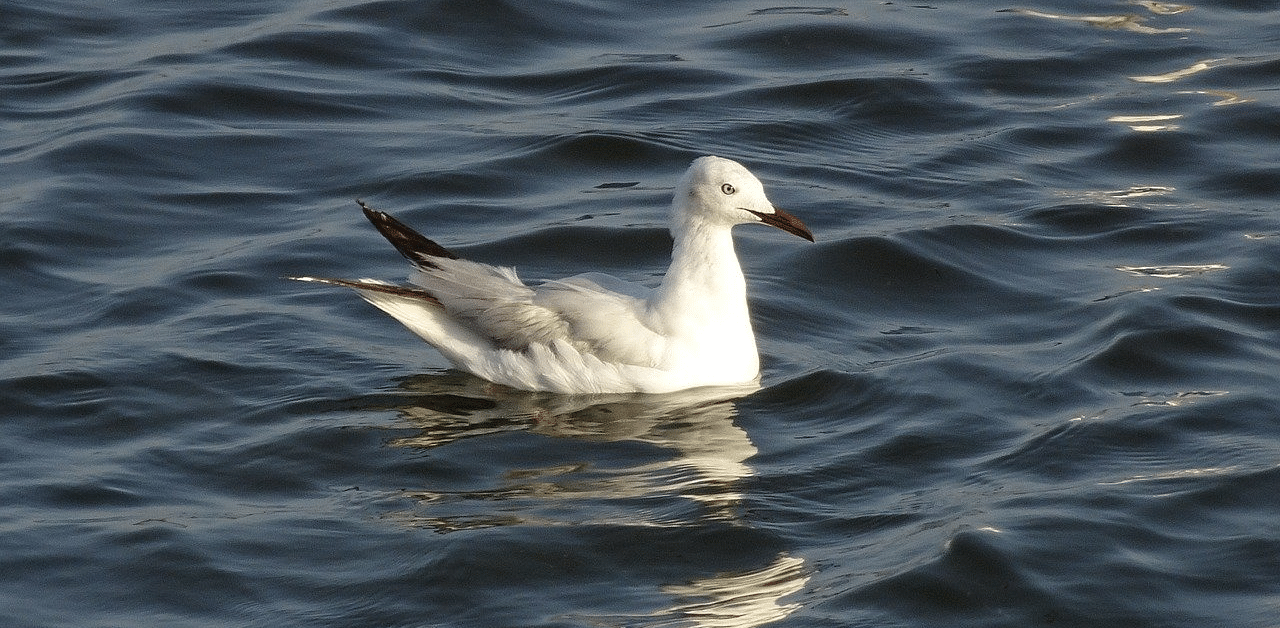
(785, 222)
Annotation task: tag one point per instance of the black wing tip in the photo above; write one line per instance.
(411, 244)
(402, 291)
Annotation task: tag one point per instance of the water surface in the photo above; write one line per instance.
(1026, 376)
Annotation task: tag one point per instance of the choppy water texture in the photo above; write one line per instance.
(1028, 376)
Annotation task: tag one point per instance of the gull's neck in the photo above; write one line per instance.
(704, 285)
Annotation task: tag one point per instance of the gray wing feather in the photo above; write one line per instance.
(594, 313)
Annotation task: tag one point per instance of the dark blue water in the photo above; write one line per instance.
(1028, 376)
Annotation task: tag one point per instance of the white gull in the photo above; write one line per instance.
(593, 333)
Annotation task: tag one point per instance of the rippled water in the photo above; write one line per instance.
(1027, 376)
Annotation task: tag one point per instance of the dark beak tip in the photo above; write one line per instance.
(786, 222)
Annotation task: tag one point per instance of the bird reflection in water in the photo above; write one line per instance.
(644, 461)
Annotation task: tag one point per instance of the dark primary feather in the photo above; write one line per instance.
(410, 243)
(404, 291)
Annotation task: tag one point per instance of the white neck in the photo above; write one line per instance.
(704, 285)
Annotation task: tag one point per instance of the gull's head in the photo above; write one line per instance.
(720, 191)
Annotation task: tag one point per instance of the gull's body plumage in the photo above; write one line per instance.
(594, 333)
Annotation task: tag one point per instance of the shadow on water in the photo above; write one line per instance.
(657, 480)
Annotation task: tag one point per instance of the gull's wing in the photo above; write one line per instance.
(607, 317)
(493, 303)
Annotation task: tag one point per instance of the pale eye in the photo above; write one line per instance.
(728, 189)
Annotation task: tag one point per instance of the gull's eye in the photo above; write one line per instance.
(728, 189)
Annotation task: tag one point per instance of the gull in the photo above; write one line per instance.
(594, 333)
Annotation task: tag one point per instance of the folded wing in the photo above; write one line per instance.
(593, 314)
